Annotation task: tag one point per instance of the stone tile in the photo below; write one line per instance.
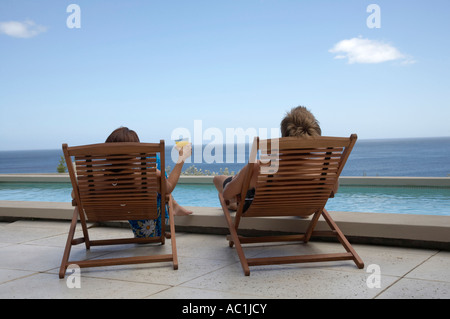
(407, 288)
(209, 247)
(28, 257)
(435, 268)
(12, 274)
(193, 293)
(54, 241)
(156, 273)
(299, 248)
(53, 224)
(36, 258)
(392, 261)
(90, 288)
(279, 281)
(22, 233)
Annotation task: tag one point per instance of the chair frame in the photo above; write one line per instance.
(233, 223)
(81, 215)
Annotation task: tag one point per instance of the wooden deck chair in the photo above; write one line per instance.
(297, 181)
(117, 182)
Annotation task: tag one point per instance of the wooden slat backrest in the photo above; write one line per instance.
(116, 181)
(300, 176)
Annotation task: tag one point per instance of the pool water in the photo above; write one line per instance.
(400, 200)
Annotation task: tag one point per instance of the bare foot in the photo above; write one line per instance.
(179, 210)
(232, 205)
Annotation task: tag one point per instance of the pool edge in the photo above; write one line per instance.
(415, 231)
(190, 179)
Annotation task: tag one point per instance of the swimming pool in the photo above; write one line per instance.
(400, 200)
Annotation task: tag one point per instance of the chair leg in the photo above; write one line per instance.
(239, 249)
(87, 242)
(172, 235)
(235, 237)
(311, 226)
(65, 259)
(340, 235)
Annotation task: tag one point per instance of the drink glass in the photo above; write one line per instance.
(182, 142)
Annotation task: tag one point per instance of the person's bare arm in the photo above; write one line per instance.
(174, 175)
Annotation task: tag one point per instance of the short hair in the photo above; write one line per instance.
(122, 134)
(300, 122)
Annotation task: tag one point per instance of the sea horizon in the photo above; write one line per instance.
(247, 143)
(414, 157)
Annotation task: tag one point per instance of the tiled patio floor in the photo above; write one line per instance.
(31, 252)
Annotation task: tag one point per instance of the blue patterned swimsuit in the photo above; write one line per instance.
(150, 227)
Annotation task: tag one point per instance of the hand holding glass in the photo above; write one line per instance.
(184, 148)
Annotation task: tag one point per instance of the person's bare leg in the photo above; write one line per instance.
(218, 182)
(179, 210)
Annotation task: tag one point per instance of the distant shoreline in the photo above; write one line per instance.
(393, 139)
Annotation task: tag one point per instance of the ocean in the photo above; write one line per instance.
(420, 157)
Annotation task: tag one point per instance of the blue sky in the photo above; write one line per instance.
(155, 66)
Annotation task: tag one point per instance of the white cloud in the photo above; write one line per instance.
(359, 50)
(26, 29)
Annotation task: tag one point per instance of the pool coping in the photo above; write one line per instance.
(419, 231)
(193, 179)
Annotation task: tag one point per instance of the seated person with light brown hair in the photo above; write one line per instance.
(298, 122)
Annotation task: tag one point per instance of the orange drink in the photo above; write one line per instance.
(182, 142)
